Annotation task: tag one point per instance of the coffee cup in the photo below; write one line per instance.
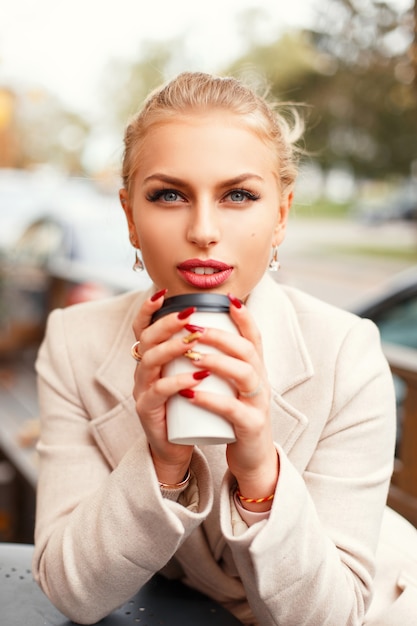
(187, 423)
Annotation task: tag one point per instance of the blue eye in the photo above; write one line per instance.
(237, 196)
(170, 196)
(166, 195)
(242, 195)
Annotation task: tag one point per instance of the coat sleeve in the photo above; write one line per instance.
(312, 562)
(96, 539)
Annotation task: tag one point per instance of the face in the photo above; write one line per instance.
(205, 207)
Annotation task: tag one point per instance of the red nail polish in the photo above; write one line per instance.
(186, 393)
(194, 329)
(182, 315)
(201, 374)
(158, 295)
(235, 301)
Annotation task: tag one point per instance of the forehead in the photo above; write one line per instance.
(198, 137)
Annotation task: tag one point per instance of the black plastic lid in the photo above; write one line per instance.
(207, 302)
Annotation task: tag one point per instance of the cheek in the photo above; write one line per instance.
(153, 245)
(158, 244)
(258, 235)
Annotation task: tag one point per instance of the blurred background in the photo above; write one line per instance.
(71, 75)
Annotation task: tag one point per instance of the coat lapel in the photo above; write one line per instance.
(116, 429)
(285, 354)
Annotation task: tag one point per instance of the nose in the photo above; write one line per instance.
(204, 224)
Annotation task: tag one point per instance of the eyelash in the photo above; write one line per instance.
(157, 195)
(249, 195)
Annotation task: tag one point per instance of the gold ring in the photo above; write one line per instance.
(253, 393)
(135, 352)
(193, 355)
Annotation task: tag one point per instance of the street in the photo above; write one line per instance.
(315, 258)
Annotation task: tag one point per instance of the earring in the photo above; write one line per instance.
(138, 265)
(274, 264)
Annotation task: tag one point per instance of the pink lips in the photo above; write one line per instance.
(206, 274)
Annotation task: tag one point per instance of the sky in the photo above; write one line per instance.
(65, 45)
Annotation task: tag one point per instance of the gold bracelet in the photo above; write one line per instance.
(183, 483)
(254, 500)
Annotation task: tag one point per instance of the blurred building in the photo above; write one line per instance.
(9, 143)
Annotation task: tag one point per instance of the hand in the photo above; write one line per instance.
(151, 391)
(253, 458)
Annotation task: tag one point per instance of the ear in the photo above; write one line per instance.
(281, 224)
(127, 208)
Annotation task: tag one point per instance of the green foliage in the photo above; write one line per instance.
(128, 85)
(359, 32)
(362, 118)
(355, 82)
(362, 105)
(383, 252)
(282, 64)
(49, 133)
(321, 208)
(365, 114)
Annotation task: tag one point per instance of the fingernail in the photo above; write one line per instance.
(186, 393)
(182, 315)
(193, 328)
(192, 337)
(158, 295)
(201, 374)
(235, 301)
(193, 356)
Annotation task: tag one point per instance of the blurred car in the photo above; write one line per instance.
(76, 250)
(23, 195)
(400, 204)
(394, 309)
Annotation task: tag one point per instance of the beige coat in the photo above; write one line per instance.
(103, 528)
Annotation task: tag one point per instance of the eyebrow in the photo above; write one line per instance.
(178, 181)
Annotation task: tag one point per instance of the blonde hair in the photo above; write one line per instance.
(199, 92)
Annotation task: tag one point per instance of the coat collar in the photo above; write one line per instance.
(286, 356)
(116, 371)
(286, 359)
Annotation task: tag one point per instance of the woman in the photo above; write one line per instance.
(280, 526)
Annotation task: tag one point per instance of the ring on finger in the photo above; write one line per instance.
(134, 351)
(253, 393)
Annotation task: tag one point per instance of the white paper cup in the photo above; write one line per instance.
(187, 423)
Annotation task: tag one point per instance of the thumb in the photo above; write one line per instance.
(149, 307)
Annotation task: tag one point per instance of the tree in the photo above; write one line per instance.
(36, 129)
(353, 69)
(128, 84)
(360, 32)
(413, 47)
(357, 81)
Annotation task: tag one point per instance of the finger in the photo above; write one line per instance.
(230, 344)
(245, 323)
(249, 381)
(148, 308)
(154, 358)
(246, 420)
(164, 388)
(235, 359)
(161, 330)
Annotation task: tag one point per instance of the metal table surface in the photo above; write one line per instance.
(159, 602)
